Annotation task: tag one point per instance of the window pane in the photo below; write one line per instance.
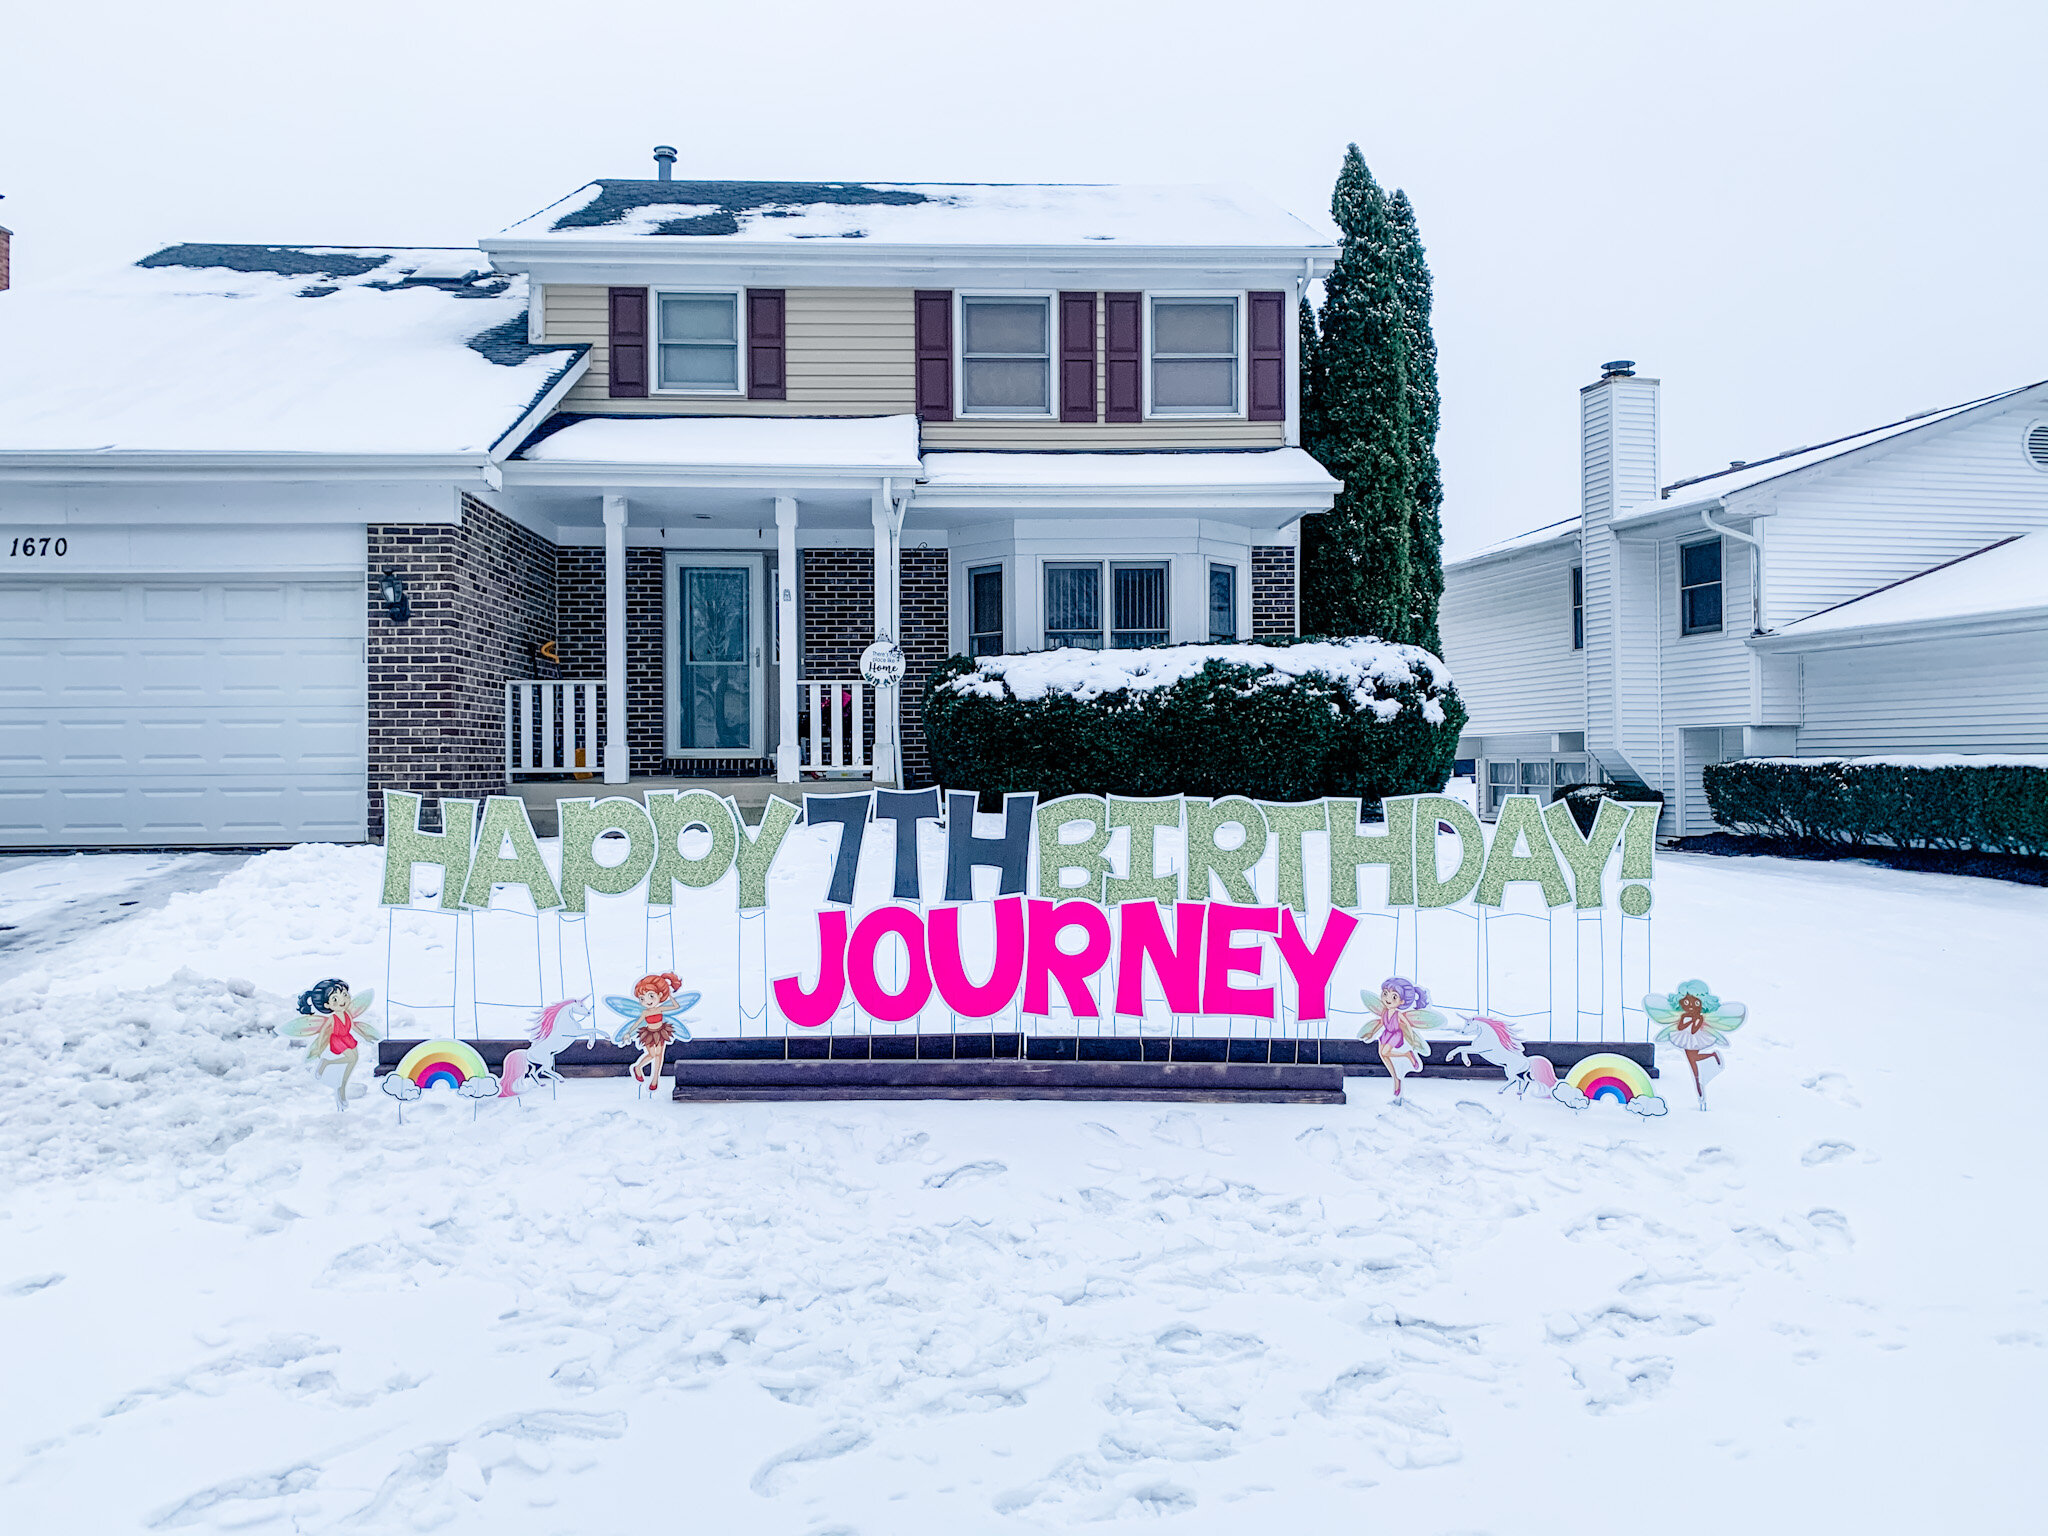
(1007, 385)
(1140, 596)
(1571, 773)
(1189, 386)
(1073, 605)
(1535, 775)
(1699, 563)
(1702, 608)
(698, 317)
(1500, 773)
(700, 367)
(1222, 603)
(985, 617)
(1004, 325)
(1202, 326)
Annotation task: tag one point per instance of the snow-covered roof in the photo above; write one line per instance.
(921, 214)
(1536, 538)
(1715, 485)
(2006, 579)
(1266, 469)
(881, 445)
(242, 349)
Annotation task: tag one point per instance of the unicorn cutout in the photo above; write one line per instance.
(330, 1021)
(1698, 1023)
(553, 1030)
(1495, 1040)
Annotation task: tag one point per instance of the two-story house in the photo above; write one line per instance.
(625, 491)
(1884, 594)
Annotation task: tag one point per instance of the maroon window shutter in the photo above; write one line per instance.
(767, 345)
(934, 321)
(1077, 357)
(629, 343)
(1123, 355)
(1266, 329)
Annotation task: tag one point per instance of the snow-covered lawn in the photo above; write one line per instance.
(1818, 1306)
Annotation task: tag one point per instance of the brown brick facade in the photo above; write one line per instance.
(1273, 590)
(483, 602)
(579, 612)
(839, 620)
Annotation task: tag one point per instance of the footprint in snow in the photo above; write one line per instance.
(1825, 1152)
(28, 1285)
(966, 1173)
(1833, 1085)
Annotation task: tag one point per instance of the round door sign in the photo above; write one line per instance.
(881, 664)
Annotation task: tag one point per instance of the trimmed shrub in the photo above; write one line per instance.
(1584, 799)
(1991, 806)
(1280, 720)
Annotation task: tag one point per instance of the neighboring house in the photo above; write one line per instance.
(289, 525)
(1881, 594)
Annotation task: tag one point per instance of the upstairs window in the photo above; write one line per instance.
(985, 611)
(1699, 588)
(1194, 357)
(697, 342)
(1006, 357)
(1578, 608)
(1222, 604)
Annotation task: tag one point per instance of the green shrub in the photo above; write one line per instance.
(1991, 806)
(1352, 717)
(1584, 799)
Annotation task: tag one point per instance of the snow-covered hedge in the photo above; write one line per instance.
(1583, 800)
(1993, 805)
(1279, 720)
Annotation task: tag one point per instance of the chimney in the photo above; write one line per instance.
(664, 161)
(1618, 430)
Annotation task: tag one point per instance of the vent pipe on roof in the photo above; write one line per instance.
(1620, 368)
(664, 161)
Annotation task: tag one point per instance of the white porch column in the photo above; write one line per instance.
(617, 757)
(785, 636)
(885, 581)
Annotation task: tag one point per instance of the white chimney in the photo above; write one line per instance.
(1618, 430)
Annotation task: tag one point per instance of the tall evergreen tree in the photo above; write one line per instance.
(1355, 577)
(1425, 508)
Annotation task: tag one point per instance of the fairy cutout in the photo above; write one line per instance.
(1698, 1023)
(1402, 1013)
(648, 1020)
(331, 1023)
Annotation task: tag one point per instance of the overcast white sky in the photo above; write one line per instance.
(1804, 218)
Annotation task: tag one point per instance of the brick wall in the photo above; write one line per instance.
(579, 608)
(483, 601)
(839, 622)
(1273, 592)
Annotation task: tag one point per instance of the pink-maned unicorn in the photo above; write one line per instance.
(553, 1030)
(1495, 1040)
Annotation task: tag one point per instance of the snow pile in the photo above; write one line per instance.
(112, 1080)
(1924, 760)
(2010, 576)
(1368, 668)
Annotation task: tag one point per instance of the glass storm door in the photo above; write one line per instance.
(718, 671)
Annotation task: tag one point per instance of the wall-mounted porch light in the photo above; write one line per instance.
(397, 604)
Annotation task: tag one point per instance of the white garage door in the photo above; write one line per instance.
(181, 710)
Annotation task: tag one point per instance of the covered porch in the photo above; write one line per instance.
(684, 544)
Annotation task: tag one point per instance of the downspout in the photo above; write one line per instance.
(1756, 567)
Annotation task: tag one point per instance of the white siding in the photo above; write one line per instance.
(1618, 468)
(1706, 678)
(1848, 531)
(1973, 695)
(1507, 633)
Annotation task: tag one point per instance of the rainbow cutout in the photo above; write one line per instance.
(1608, 1076)
(434, 1063)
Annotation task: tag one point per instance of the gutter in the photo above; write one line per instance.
(1756, 565)
(1956, 627)
(154, 465)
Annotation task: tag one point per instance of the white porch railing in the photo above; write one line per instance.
(833, 732)
(553, 726)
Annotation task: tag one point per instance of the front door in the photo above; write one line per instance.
(715, 706)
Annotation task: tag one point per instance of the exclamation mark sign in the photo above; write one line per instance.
(1638, 849)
